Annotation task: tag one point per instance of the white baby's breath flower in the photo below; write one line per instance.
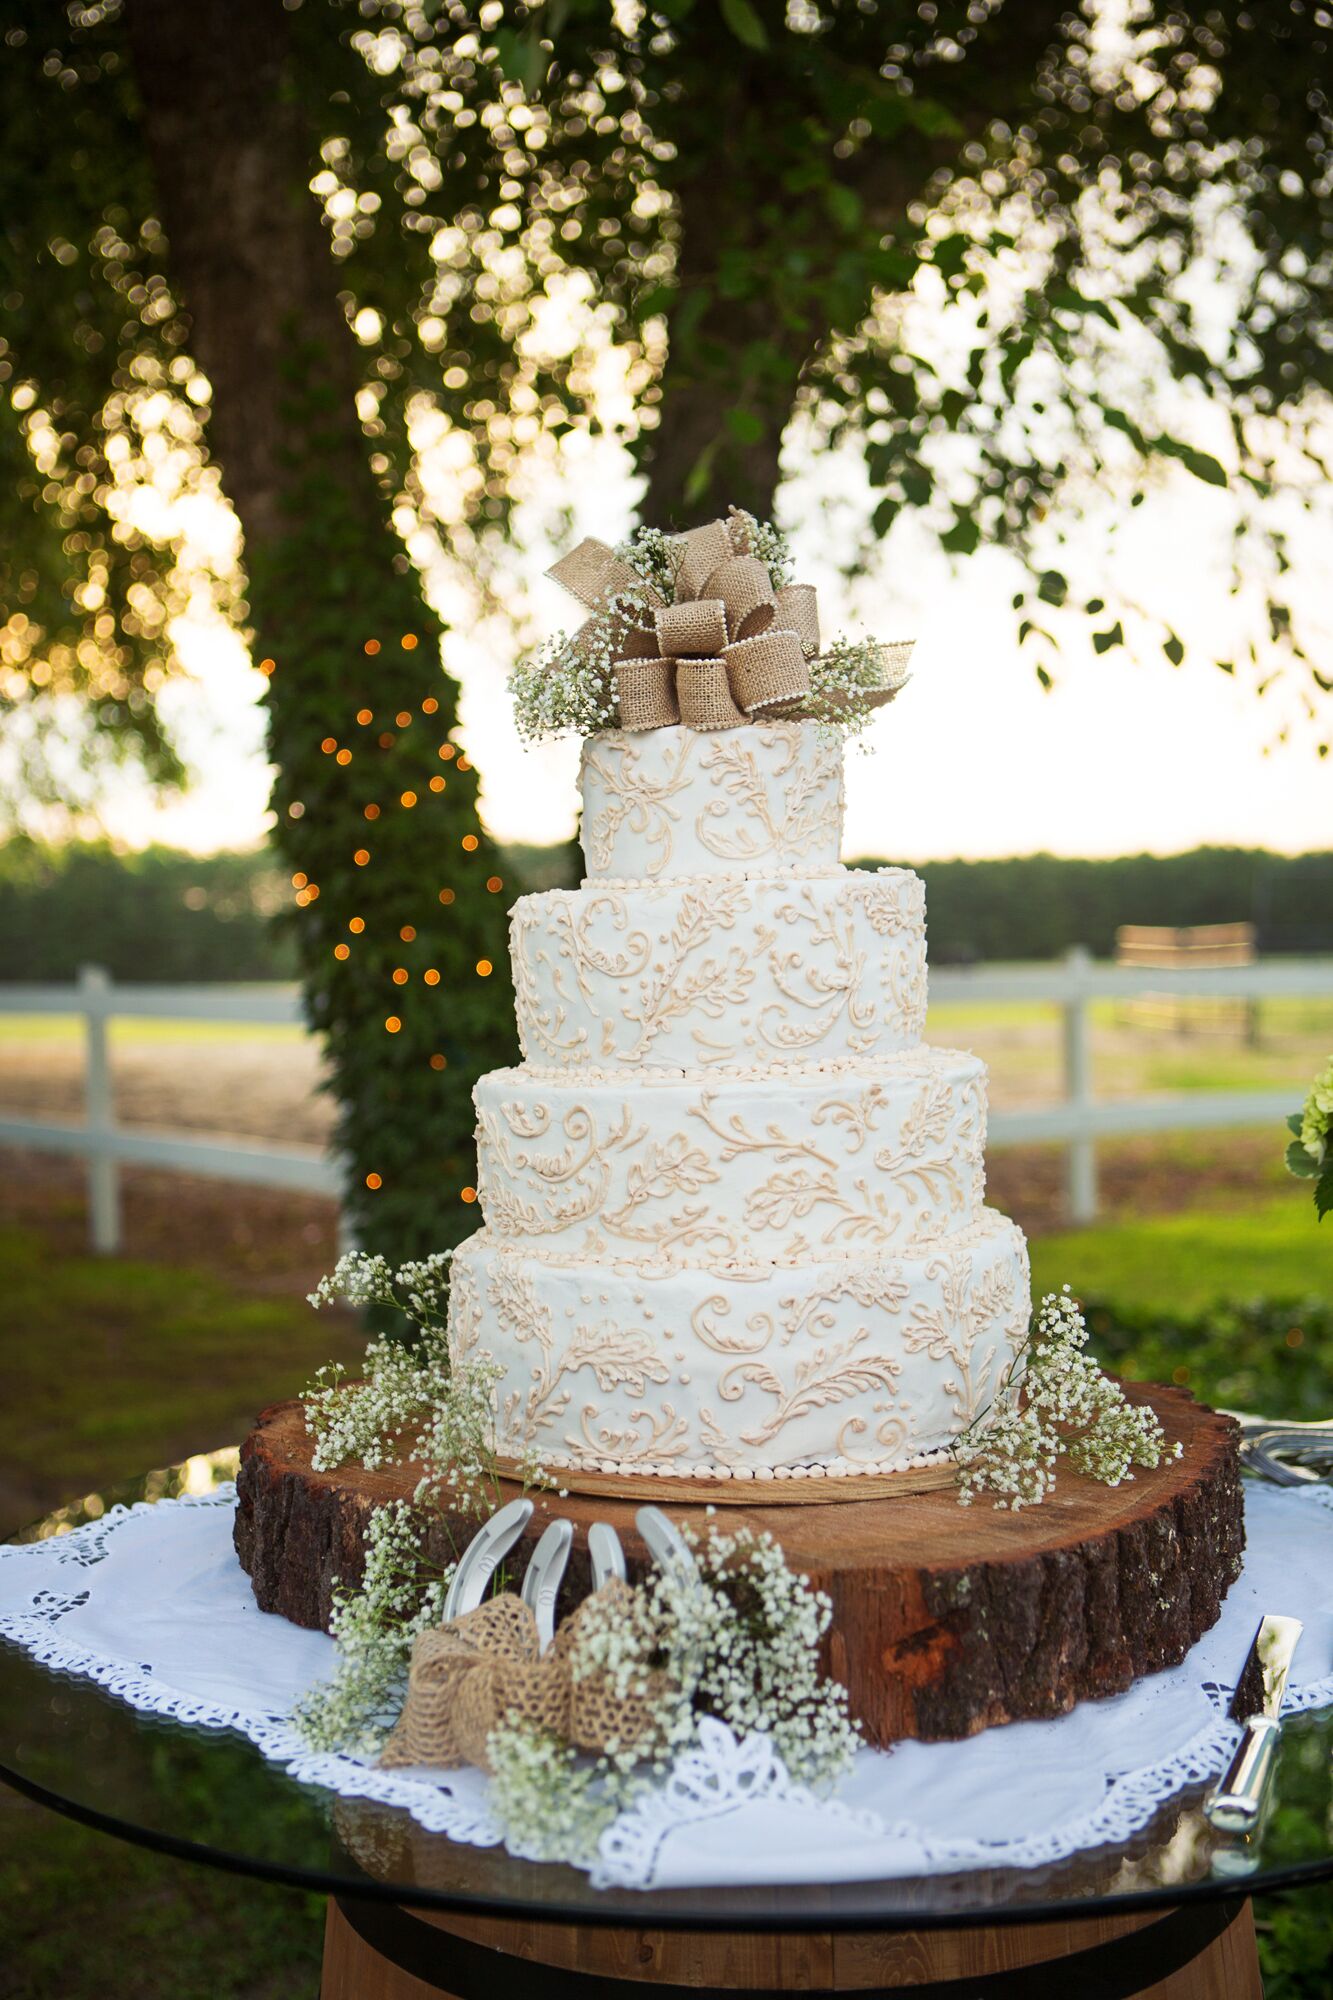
(1054, 1402)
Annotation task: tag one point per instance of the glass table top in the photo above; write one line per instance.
(209, 1795)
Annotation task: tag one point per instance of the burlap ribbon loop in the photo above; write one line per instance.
(487, 1668)
(726, 648)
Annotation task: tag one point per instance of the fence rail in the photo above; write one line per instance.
(1077, 1122)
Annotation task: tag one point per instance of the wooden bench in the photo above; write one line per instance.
(1170, 947)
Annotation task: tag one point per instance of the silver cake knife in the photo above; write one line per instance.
(1236, 1801)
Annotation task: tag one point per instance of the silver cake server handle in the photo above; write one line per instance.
(483, 1554)
(665, 1544)
(541, 1584)
(605, 1554)
(1235, 1803)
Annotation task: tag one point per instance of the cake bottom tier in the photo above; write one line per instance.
(760, 1372)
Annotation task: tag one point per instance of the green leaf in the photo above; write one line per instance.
(844, 206)
(1323, 1194)
(1303, 1164)
(1052, 588)
(1295, 1122)
(1047, 681)
(963, 538)
(1174, 650)
(745, 426)
(1102, 642)
(744, 23)
(1202, 465)
(696, 484)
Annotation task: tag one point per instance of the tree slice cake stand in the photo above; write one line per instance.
(946, 1619)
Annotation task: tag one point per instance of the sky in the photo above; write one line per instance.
(1125, 754)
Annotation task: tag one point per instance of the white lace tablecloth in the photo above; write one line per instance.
(152, 1603)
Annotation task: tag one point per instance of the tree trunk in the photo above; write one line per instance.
(402, 935)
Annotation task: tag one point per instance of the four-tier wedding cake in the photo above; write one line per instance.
(734, 1220)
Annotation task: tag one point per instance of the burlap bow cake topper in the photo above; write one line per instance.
(724, 648)
(487, 1668)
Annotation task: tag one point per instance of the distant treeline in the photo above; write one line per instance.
(164, 915)
(1037, 905)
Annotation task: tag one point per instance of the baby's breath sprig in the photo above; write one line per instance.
(552, 1804)
(401, 1593)
(411, 1401)
(1055, 1402)
(842, 679)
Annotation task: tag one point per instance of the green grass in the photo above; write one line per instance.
(131, 1029)
(1184, 1262)
(124, 1365)
(86, 1917)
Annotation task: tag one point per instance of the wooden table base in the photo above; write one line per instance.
(1201, 1951)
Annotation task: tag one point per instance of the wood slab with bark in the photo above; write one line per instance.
(945, 1619)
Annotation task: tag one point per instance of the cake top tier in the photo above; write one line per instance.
(765, 799)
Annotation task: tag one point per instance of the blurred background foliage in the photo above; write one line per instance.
(165, 915)
(361, 269)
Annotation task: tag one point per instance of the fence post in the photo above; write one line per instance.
(103, 1182)
(1081, 1166)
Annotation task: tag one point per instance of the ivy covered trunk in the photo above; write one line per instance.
(400, 902)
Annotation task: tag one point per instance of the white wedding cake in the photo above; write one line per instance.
(733, 1205)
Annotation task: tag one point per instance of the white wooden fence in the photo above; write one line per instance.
(1070, 984)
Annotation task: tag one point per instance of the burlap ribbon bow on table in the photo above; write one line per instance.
(487, 1668)
(726, 648)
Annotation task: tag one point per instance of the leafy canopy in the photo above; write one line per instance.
(1014, 254)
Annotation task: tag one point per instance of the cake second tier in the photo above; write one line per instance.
(748, 1371)
(722, 971)
(653, 1167)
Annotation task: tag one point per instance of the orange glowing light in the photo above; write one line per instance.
(403, 718)
(302, 898)
(374, 1181)
(408, 799)
(438, 1062)
(343, 757)
(447, 751)
(470, 843)
(407, 933)
(463, 764)
(329, 745)
(431, 976)
(469, 1194)
(342, 951)
(296, 810)
(312, 892)
(446, 897)
(365, 715)
(299, 881)
(484, 968)
(437, 784)
(361, 857)
(410, 642)
(495, 883)
(372, 647)
(393, 1024)
(267, 666)
(387, 741)
(429, 705)
(400, 975)
(371, 812)
(357, 924)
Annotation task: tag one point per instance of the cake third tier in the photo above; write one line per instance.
(651, 1167)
